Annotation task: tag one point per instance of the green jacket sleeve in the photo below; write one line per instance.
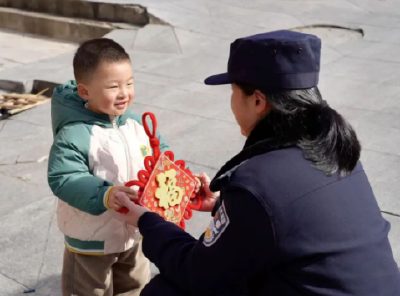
(68, 172)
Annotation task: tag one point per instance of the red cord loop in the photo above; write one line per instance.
(188, 213)
(149, 163)
(143, 176)
(154, 141)
(170, 155)
(181, 164)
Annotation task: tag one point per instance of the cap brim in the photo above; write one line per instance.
(219, 79)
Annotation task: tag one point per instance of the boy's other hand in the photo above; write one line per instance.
(113, 201)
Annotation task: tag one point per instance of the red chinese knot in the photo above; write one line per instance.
(166, 186)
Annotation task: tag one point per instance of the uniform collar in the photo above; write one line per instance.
(260, 141)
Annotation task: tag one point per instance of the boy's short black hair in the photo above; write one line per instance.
(92, 52)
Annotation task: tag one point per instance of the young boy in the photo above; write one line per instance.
(98, 146)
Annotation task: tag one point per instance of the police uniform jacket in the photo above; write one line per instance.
(280, 227)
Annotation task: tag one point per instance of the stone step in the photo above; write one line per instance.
(98, 11)
(58, 27)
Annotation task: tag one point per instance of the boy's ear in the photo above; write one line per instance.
(83, 91)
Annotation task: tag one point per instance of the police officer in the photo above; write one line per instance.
(294, 213)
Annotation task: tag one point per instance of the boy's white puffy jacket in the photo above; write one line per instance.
(90, 154)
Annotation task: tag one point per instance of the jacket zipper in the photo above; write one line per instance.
(127, 156)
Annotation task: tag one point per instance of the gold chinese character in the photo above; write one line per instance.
(167, 192)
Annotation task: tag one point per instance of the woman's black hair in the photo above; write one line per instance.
(302, 117)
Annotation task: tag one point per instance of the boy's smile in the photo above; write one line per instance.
(110, 89)
(121, 106)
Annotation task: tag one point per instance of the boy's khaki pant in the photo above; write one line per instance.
(123, 274)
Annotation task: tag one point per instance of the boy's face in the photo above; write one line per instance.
(110, 89)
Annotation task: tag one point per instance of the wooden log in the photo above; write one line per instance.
(15, 103)
(25, 97)
(6, 104)
(30, 97)
(17, 110)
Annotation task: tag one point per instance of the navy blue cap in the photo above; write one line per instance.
(277, 60)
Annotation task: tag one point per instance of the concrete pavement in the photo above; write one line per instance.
(359, 77)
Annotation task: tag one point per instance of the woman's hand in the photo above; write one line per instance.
(198, 184)
(208, 197)
(135, 211)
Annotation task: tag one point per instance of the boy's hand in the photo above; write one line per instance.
(113, 202)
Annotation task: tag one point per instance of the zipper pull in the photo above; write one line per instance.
(113, 122)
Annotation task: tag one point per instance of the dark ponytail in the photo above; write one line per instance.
(302, 117)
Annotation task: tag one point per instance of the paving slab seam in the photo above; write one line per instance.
(177, 40)
(134, 39)
(177, 88)
(1, 127)
(31, 161)
(190, 114)
(45, 245)
(14, 280)
(11, 60)
(384, 126)
(187, 10)
(18, 178)
(383, 27)
(370, 110)
(257, 10)
(385, 153)
(342, 55)
(205, 34)
(24, 205)
(29, 122)
(371, 59)
(7, 164)
(331, 62)
(166, 76)
(358, 6)
(256, 26)
(391, 214)
(380, 42)
(371, 81)
(203, 165)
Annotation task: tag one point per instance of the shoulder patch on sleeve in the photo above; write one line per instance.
(217, 226)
